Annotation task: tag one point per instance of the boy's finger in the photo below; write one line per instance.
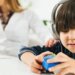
(35, 70)
(60, 57)
(66, 71)
(49, 43)
(46, 53)
(37, 65)
(56, 59)
(59, 67)
(39, 58)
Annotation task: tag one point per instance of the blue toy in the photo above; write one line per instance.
(49, 65)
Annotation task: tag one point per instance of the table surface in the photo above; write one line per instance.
(13, 66)
(10, 65)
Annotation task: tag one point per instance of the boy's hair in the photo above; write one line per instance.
(64, 16)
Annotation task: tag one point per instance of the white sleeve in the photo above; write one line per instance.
(20, 24)
(18, 30)
(39, 28)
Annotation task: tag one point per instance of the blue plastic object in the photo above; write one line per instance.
(48, 65)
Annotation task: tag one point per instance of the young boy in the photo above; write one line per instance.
(64, 23)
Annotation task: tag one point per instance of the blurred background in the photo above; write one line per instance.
(43, 8)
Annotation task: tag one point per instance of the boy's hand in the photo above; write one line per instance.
(36, 65)
(67, 64)
(50, 42)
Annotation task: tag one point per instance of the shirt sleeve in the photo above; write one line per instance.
(36, 50)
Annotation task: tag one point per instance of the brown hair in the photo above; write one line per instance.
(14, 5)
(64, 16)
(11, 6)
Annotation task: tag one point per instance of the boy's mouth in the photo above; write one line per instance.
(71, 44)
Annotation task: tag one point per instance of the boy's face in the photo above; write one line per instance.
(1, 2)
(68, 40)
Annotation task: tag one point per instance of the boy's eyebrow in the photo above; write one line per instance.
(70, 74)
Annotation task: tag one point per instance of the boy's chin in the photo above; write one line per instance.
(71, 50)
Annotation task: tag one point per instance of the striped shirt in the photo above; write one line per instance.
(58, 47)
